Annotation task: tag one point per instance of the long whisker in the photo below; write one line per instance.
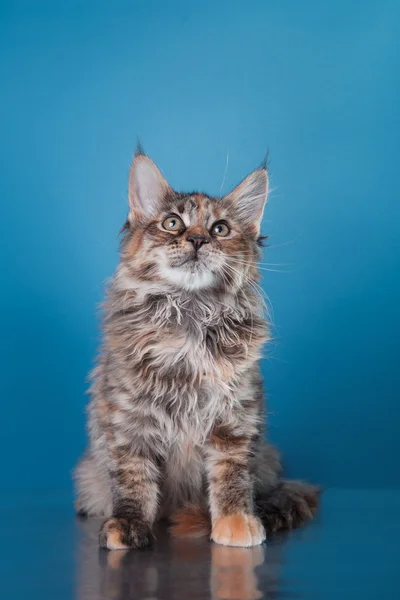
(261, 265)
(251, 312)
(255, 262)
(226, 170)
(263, 296)
(257, 265)
(285, 243)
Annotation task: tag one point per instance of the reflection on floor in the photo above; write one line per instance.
(173, 569)
(351, 551)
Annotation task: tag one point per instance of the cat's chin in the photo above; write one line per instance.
(189, 279)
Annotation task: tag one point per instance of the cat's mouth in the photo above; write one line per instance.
(192, 260)
(190, 272)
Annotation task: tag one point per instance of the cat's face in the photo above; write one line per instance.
(192, 241)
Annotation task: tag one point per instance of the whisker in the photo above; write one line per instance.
(226, 170)
(286, 243)
(262, 263)
(261, 294)
(261, 268)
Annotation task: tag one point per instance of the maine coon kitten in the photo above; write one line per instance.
(176, 415)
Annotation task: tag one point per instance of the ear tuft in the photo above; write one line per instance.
(147, 187)
(265, 162)
(249, 198)
(139, 148)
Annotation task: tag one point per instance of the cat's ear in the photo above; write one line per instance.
(249, 198)
(147, 187)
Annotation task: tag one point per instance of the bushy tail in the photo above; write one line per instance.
(288, 505)
(191, 521)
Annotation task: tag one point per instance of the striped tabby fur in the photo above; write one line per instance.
(176, 413)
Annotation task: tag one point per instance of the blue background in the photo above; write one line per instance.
(315, 82)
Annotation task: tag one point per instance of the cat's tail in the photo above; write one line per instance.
(191, 521)
(287, 505)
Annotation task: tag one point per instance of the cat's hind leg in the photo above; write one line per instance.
(93, 490)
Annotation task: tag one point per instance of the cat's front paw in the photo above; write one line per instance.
(238, 530)
(120, 533)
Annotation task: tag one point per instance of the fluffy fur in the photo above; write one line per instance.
(176, 415)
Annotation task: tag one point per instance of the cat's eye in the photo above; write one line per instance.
(173, 223)
(220, 229)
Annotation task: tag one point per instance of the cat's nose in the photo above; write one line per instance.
(197, 239)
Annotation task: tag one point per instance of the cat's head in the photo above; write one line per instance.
(192, 241)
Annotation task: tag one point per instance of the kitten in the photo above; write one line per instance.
(176, 415)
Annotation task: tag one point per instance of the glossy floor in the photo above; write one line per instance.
(351, 551)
